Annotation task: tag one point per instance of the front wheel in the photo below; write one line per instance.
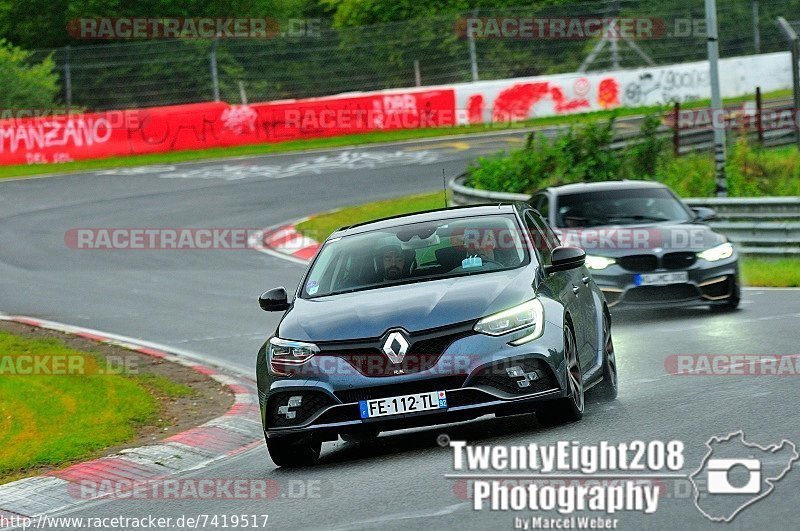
(294, 451)
(607, 389)
(570, 408)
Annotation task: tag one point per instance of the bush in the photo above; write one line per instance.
(580, 154)
(584, 155)
(25, 85)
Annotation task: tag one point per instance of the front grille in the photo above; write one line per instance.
(639, 263)
(678, 260)
(425, 349)
(312, 402)
(673, 293)
(497, 377)
(406, 388)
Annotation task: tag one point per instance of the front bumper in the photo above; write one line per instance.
(476, 385)
(709, 283)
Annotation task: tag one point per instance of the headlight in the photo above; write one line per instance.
(598, 262)
(527, 315)
(284, 354)
(720, 252)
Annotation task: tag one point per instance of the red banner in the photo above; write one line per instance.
(206, 125)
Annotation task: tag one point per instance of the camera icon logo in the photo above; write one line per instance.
(718, 476)
(735, 473)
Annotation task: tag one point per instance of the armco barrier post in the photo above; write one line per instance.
(473, 56)
(759, 115)
(676, 129)
(720, 156)
(794, 41)
(67, 79)
(213, 65)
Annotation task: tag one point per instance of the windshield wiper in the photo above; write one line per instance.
(638, 217)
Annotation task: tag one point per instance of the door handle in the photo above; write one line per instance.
(586, 279)
(575, 289)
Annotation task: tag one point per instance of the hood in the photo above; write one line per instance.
(413, 307)
(623, 240)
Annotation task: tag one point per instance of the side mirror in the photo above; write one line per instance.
(274, 300)
(565, 258)
(704, 214)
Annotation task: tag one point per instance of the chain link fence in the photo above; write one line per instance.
(430, 51)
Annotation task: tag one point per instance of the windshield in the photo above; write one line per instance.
(619, 207)
(416, 252)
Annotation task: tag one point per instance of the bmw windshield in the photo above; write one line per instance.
(416, 252)
(635, 206)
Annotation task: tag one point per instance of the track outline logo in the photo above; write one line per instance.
(770, 481)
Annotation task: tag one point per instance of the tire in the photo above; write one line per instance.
(731, 303)
(294, 452)
(570, 408)
(608, 388)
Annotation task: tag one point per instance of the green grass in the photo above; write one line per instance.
(769, 272)
(25, 170)
(783, 272)
(751, 172)
(323, 225)
(52, 420)
(164, 386)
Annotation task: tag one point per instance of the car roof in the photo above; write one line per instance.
(428, 215)
(603, 186)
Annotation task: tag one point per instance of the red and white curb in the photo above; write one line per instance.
(283, 241)
(238, 430)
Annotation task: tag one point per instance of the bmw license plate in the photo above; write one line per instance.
(396, 405)
(661, 279)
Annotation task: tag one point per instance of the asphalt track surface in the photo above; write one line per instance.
(205, 302)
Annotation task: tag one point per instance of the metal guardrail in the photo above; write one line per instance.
(764, 226)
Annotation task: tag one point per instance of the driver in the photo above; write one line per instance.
(393, 262)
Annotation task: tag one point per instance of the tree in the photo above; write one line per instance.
(26, 84)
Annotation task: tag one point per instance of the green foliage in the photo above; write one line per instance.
(583, 155)
(580, 154)
(642, 160)
(25, 84)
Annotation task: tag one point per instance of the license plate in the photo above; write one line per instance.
(661, 279)
(396, 405)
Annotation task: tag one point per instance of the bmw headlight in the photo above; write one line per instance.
(598, 262)
(527, 315)
(720, 252)
(284, 354)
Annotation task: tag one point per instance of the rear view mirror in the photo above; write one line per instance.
(565, 258)
(704, 214)
(274, 300)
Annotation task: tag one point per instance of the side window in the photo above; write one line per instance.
(552, 238)
(539, 237)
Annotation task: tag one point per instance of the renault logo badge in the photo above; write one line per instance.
(395, 347)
